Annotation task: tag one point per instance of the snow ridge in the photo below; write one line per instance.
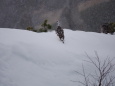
(41, 59)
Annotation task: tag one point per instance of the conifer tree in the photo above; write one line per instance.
(45, 26)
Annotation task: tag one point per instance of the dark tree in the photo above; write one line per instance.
(45, 26)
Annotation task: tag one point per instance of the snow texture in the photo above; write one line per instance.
(41, 59)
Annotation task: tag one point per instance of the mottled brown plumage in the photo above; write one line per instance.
(60, 33)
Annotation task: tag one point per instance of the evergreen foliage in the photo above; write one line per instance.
(42, 30)
(45, 26)
(31, 29)
(108, 28)
(49, 26)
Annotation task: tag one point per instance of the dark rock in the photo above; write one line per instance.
(73, 14)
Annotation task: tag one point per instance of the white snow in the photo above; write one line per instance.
(41, 59)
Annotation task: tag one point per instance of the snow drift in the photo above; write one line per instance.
(41, 59)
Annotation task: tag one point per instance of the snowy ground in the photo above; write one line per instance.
(41, 59)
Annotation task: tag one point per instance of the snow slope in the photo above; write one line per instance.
(41, 59)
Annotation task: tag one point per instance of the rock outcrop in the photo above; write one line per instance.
(75, 14)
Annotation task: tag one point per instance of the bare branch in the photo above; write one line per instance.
(102, 75)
